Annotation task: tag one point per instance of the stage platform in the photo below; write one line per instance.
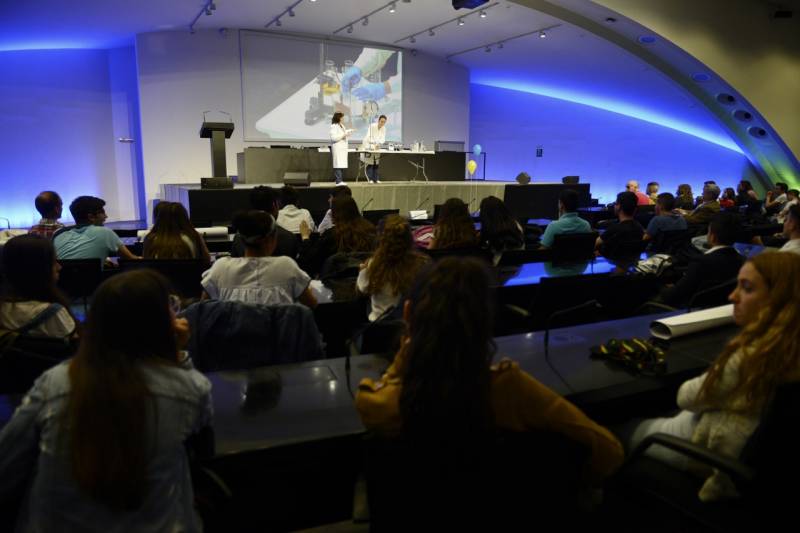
(540, 200)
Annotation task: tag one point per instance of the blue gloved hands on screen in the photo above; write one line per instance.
(370, 91)
(350, 78)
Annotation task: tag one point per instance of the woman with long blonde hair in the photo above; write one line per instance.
(390, 272)
(723, 407)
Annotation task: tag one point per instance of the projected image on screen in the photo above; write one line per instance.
(293, 96)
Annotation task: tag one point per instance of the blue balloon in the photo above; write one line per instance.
(477, 150)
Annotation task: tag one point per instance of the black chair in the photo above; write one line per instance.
(662, 494)
(80, 277)
(183, 274)
(712, 296)
(495, 483)
(338, 321)
(377, 215)
(27, 357)
(670, 241)
(574, 247)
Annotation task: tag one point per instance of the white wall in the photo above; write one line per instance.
(58, 131)
(181, 75)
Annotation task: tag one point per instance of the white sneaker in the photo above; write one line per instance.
(340, 183)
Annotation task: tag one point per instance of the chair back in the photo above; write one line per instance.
(671, 241)
(183, 274)
(80, 277)
(375, 216)
(26, 358)
(574, 247)
(712, 296)
(520, 257)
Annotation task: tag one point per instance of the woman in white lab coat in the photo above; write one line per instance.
(339, 137)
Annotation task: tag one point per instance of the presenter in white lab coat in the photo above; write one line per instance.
(339, 135)
(376, 136)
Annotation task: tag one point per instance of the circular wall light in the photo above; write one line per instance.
(647, 39)
(701, 77)
(726, 99)
(742, 116)
(757, 132)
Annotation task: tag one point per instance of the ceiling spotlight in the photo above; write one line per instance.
(483, 14)
(488, 49)
(413, 39)
(500, 46)
(278, 23)
(208, 12)
(392, 8)
(349, 29)
(460, 21)
(431, 32)
(542, 35)
(365, 21)
(291, 12)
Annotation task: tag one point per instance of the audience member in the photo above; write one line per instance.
(442, 388)
(351, 233)
(264, 198)
(389, 273)
(174, 237)
(291, 215)
(327, 220)
(622, 240)
(32, 304)
(257, 278)
(709, 207)
(666, 218)
(88, 239)
(641, 198)
(652, 191)
(791, 229)
(568, 219)
(719, 264)
(101, 436)
(746, 196)
(776, 198)
(684, 198)
(49, 206)
(792, 199)
(722, 407)
(728, 199)
(699, 199)
(500, 231)
(454, 227)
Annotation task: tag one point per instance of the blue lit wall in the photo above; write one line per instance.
(57, 133)
(604, 146)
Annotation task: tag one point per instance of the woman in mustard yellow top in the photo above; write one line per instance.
(442, 382)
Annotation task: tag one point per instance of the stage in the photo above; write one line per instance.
(211, 207)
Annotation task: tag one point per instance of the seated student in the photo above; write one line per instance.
(709, 206)
(265, 198)
(454, 227)
(33, 305)
(291, 216)
(666, 219)
(792, 199)
(351, 233)
(746, 197)
(622, 240)
(728, 199)
(88, 239)
(327, 220)
(791, 229)
(641, 198)
(257, 278)
(389, 273)
(174, 237)
(442, 386)
(776, 198)
(684, 197)
(568, 219)
(49, 205)
(652, 191)
(101, 436)
(719, 264)
(722, 407)
(499, 230)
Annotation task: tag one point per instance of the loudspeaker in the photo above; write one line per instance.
(216, 183)
(523, 178)
(570, 180)
(296, 179)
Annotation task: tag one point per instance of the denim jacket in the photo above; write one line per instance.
(30, 449)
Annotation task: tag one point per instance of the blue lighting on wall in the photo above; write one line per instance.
(608, 104)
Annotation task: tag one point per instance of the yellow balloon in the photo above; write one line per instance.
(472, 166)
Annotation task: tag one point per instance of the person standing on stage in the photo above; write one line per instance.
(339, 135)
(376, 136)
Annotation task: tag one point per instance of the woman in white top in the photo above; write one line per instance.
(390, 272)
(33, 304)
(376, 136)
(339, 135)
(722, 407)
(257, 278)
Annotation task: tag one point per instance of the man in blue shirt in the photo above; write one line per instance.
(88, 239)
(665, 219)
(568, 220)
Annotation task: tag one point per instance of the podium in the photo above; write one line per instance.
(217, 132)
